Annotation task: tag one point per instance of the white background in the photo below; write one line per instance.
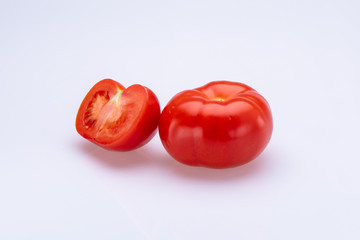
(303, 56)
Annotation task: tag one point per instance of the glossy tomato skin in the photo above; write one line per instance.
(220, 125)
(118, 118)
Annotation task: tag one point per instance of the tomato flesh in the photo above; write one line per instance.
(94, 108)
(118, 118)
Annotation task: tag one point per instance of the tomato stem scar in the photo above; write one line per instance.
(219, 99)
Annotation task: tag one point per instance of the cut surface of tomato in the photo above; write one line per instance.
(118, 118)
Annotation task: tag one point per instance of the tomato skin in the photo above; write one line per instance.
(137, 114)
(220, 125)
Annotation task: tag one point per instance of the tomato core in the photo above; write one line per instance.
(104, 113)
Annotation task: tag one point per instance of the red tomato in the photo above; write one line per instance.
(220, 125)
(118, 118)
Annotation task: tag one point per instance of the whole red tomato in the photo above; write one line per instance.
(220, 125)
(118, 118)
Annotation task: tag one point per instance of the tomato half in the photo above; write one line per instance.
(220, 125)
(118, 118)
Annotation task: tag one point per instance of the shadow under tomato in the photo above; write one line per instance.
(256, 167)
(146, 156)
(115, 159)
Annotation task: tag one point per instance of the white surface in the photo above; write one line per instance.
(303, 56)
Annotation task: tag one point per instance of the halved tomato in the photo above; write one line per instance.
(118, 118)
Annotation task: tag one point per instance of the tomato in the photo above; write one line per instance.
(118, 118)
(220, 125)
